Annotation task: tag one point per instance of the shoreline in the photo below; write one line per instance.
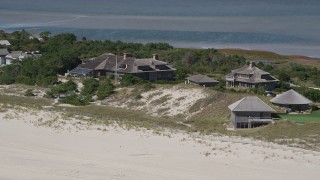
(282, 49)
(171, 29)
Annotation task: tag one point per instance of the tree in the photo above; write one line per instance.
(284, 77)
(45, 35)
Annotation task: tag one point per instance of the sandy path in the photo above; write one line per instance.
(30, 152)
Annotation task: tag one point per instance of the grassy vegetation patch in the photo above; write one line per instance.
(201, 103)
(161, 100)
(123, 116)
(213, 116)
(210, 120)
(303, 118)
(288, 133)
(25, 101)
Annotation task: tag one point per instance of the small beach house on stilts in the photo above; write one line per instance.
(250, 112)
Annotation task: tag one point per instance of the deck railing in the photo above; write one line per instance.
(230, 78)
(260, 119)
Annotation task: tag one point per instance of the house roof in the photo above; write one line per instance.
(254, 72)
(5, 42)
(201, 79)
(82, 71)
(15, 54)
(290, 97)
(128, 65)
(3, 52)
(250, 104)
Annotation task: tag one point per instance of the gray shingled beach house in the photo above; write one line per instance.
(201, 80)
(250, 76)
(110, 64)
(250, 112)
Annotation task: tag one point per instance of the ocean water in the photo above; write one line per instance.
(282, 26)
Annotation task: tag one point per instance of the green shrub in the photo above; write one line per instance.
(182, 73)
(128, 80)
(29, 92)
(138, 96)
(64, 87)
(282, 86)
(77, 100)
(6, 79)
(90, 86)
(46, 80)
(148, 86)
(104, 90)
(283, 76)
(259, 90)
(219, 88)
(25, 80)
(312, 94)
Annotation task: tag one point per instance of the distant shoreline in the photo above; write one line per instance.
(311, 51)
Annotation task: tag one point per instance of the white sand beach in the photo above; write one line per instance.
(29, 151)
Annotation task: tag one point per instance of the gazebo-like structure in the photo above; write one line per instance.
(292, 101)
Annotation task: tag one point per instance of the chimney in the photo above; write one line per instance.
(125, 55)
(155, 56)
(251, 65)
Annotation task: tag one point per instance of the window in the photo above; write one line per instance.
(123, 66)
(243, 76)
(242, 125)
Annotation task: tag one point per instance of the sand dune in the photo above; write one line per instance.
(37, 152)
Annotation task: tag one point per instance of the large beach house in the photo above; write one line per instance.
(109, 64)
(250, 76)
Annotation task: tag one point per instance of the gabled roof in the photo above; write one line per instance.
(3, 52)
(290, 97)
(201, 79)
(250, 104)
(5, 42)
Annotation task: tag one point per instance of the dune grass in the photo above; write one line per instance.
(289, 133)
(29, 102)
(271, 56)
(253, 54)
(125, 117)
(214, 114)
